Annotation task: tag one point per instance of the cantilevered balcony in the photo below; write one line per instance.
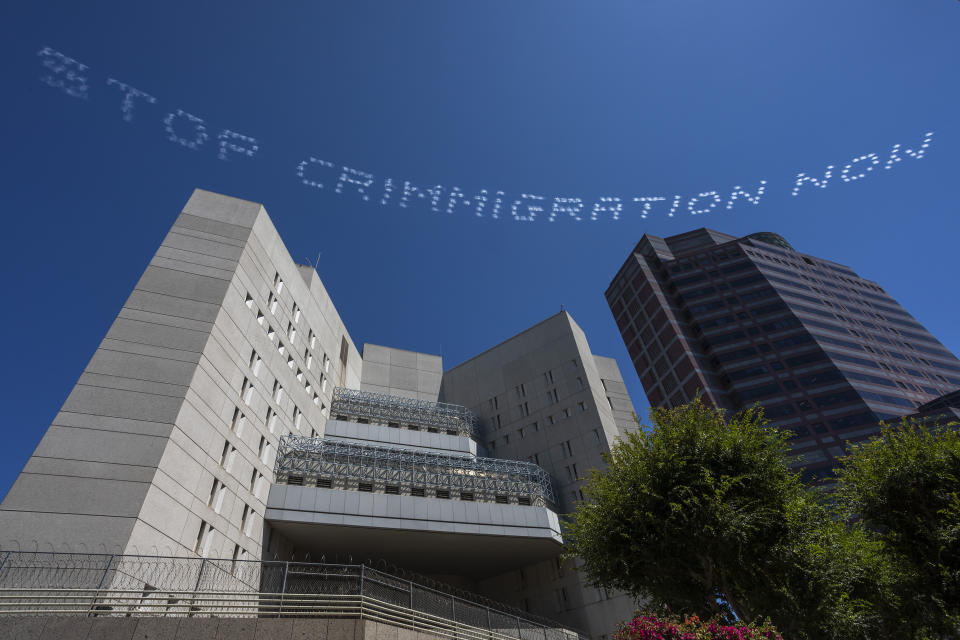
(431, 512)
(395, 411)
(403, 471)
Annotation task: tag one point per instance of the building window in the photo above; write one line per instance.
(309, 361)
(260, 318)
(271, 334)
(566, 413)
(582, 406)
(277, 282)
(236, 425)
(204, 538)
(521, 391)
(552, 396)
(535, 426)
(255, 363)
(217, 493)
(246, 391)
(296, 313)
(272, 303)
(550, 420)
(225, 455)
(579, 384)
(297, 417)
(246, 520)
(277, 391)
(281, 348)
(520, 433)
(567, 448)
(596, 435)
(548, 377)
(291, 332)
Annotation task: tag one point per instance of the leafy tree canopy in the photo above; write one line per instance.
(905, 485)
(702, 515)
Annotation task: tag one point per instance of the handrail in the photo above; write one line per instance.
(56, 583)
(124, 603)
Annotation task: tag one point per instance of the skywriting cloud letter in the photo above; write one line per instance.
(185, 129)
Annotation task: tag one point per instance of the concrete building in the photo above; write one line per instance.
(545, 398)
(228, 414)
(828, 354)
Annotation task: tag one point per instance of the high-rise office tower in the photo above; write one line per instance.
(827, 353)
(228, 416)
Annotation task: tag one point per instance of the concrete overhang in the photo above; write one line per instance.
(426, 535)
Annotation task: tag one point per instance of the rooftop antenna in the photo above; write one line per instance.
(315, 263)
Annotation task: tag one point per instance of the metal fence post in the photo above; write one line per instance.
(283, 586)
(413, 618)
(103, 578)
(203, 564)
(106, 572)
(519, 631)
(5, 558)
(196, 587)
(453, 616)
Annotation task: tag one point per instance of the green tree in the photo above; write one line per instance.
(905, 485)
(702, 514)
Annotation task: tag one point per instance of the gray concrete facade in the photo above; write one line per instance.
(72, 628)
(166, 443)
(398, 372)
(544, 397)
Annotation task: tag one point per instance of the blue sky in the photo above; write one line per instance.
(559, 99)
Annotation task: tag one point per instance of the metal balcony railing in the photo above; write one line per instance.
(397, 411)
(41, 583)
(355, 466)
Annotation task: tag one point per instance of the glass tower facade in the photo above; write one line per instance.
(740, 321)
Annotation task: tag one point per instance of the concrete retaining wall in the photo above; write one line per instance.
(84, 628)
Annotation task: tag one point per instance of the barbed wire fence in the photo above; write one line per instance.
(56, 583)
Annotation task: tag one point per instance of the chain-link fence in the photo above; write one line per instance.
(35, 583)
